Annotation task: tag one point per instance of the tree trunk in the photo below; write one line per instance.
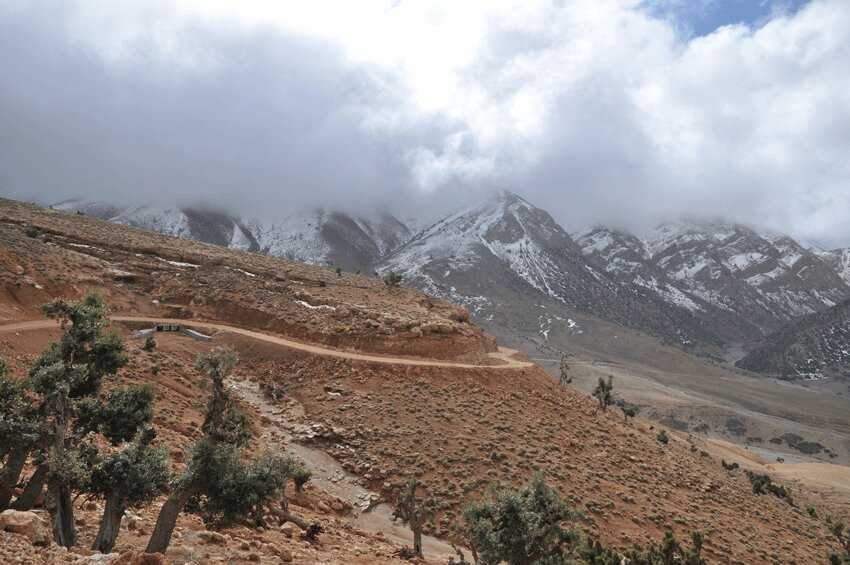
(110, 523)
(34, 488)
(417, 541)
(11, 474)
(167, 519)
(61, 506)
(286, 516)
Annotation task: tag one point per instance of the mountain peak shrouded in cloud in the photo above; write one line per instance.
(598, 111)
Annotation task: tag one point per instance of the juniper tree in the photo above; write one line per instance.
(604, 392)
(19, 432)
(629, 410)
(564, 369)
(131, 476)
(521, 527)
(218, 483)
(414, 512)
(119, 416)
(668, 552)
(68, 371)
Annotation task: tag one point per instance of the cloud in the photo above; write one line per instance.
(597, 110)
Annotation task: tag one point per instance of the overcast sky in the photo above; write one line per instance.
(619, 111)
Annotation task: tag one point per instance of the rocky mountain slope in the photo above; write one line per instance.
(741, 283)
(505, 259)
(813, 347)
(313, 303)
(319, 237)
(838, 259)
(704, 286)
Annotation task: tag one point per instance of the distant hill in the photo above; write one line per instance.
(815, 346)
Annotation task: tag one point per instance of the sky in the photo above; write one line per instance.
(624, 112)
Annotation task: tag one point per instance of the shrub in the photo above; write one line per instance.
(842, 536)
(629, 410)
(392, 279)
(604, 392)
(762, 484)
(662, 437)
(530, 525)
(150, 343)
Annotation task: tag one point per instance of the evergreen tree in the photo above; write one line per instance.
(414, 512)
(131, 476)
(218, 483)
(68, 371)
(522, 527)
(19, 432)
(604, 392)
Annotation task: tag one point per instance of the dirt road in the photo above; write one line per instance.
(504, 355)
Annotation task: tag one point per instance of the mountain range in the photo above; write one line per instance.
(710, 287)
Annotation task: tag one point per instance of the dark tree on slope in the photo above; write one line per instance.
(522, 527)
(68, 371)
(134, 475)
(842, 536)
(19, 432)
(629, 410)
(137, 472)
(564, 372)
(218, 483)
(604, 392)
(414, 512)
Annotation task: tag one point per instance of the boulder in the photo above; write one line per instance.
(27, 524)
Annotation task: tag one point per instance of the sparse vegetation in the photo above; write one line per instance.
(662, 437)
(629, 410)
(729, 466)
(414, 511)
(604, 392)
(842, 536)
(762, 484)
(150, 343)
(564, 372)
(533, 525)
(392, 279)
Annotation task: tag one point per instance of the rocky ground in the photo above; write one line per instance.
(504, 428)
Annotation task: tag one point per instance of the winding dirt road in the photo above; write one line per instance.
(504, 355)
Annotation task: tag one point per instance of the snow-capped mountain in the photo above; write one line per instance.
(838, 259)
(688, 282)
(331, 238)
(505, 257)
(315, 236)
(741, 282)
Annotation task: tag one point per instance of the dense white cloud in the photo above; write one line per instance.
(596, 109)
